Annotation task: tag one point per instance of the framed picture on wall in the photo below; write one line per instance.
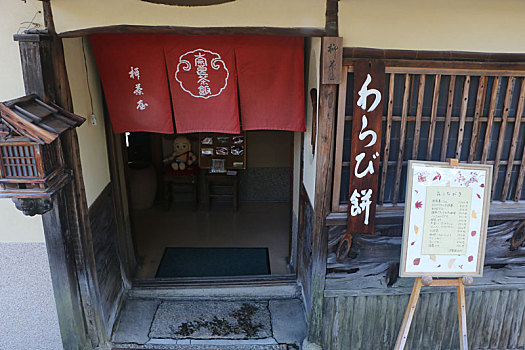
(230, 148)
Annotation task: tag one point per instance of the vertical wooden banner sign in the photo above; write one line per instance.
(369, 82)
(332, 60)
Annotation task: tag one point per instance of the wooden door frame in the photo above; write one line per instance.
(66, 226)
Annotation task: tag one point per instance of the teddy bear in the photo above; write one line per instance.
(182, 157)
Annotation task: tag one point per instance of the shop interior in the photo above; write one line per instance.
(209, 125)
(190, 216)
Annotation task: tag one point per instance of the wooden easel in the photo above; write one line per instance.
(459, 283)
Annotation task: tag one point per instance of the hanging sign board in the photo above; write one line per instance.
(332, 60)
(369, 82)
(446, 218)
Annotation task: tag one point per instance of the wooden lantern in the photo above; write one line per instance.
(31, 160)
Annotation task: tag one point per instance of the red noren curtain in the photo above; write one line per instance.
(204, 74)
(133, 75)
(271, 82)
(203, 83)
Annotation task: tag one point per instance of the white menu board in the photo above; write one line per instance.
(446, 219)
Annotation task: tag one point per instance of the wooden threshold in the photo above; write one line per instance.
(237, 287)
(212, 282)
(393, 214)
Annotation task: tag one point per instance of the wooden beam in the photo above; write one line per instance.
(419, 112)
(462, 116)
(124, 28)
(448, 116)
(323, 181)
(501, 138)
(119, 191)
(332, 18)
(188, 2)
(519, 183)
(490, 121)
(480, 103)
(63, 273)
(433, 116)
(388, 133)
(323, 185)
(389, 214)
(49, 81)
(365, 52)
(339, 139)
(402, 137)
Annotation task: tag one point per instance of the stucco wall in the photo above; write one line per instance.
(15, 226)
(84, 82)
(457, 25)
(76, 14)
(310, 158)
(28, 317)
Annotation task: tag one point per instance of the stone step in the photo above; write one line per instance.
(210, 324)
(208, 347)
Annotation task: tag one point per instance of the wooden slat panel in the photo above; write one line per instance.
(357, 323)
(388, 132)
(389, 329)
(480, 102)
(433, 115)
(521, 175)
(348, 316)
(517, 321)
(494, 320)
(473, 312)
(488, 326)
(429, 339)
(451, 71)
(417, 333)
(490, 121)
(448, 116)
(402, 136)
(499, 319)
(508, 319)
(514, 142)
(331, 312)
(419, 111)
(521, 339)
(339, 140)
(370, 323)
(501, 138)
(412, 118)
(462, 116)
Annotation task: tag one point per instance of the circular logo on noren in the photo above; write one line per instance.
(202, 73)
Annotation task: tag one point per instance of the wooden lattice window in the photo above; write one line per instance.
(19, 161)
(475, 115)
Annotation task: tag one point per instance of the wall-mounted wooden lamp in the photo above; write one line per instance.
(31, 161)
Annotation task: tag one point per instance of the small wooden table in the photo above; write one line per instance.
(214, 181)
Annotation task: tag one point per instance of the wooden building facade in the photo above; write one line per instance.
(438, 103)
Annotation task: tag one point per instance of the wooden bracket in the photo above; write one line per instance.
(453, 161)
(459, 283)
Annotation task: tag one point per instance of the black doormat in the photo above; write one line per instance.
(212, 262)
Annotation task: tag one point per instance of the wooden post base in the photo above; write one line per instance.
(412, 303)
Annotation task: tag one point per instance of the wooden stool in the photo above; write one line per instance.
(191, 179)
(222, 181)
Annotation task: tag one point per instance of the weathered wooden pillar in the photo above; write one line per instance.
(66, 226)
(323, 181)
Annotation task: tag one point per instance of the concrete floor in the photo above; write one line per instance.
(254, 225)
